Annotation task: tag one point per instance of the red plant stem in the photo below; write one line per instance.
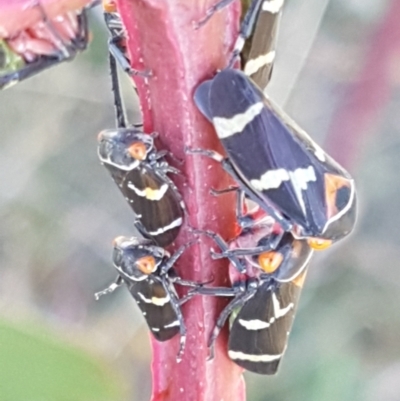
(16, 15)
(162, 38)
(366, 97)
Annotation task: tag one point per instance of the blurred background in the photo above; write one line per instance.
(338, 75)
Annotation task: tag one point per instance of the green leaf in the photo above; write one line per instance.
(35, 367)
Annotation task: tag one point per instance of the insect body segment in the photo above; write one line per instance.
(147, 271)
(141, 175)
(41, 46)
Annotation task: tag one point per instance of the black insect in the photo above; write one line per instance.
(275, 162)
(140, 171)
(147, 271)
(265, 297)
(43, 45)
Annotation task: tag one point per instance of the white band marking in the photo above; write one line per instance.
(173, 324)
(271, 179)
(254, 65)
(175, 223)
(278, 311)
(259, 324)
(227, 127)
(253, 358)
(299, 179)
(256, 324)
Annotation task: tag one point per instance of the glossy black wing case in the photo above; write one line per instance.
(277, 161)
(158, 211)
(155, 304)
(258, 54)
(259, 332)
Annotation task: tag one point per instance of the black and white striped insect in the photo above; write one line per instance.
(42, 46)
(147, 271)
(257, 38)
(141, 173)
(265, 297)
(275, 162)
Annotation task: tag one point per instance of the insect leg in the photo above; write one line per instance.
(118, 104)
(237, 302)
(111, 288)
(172, 260)
(226, 253)
(176, 306)
(211, 11)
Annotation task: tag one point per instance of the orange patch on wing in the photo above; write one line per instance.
(152, 194)
(270, 261)
(146, 264)
(332, 184)
(138, 150)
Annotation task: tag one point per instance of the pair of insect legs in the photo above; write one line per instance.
(241, 291)
(230, 169)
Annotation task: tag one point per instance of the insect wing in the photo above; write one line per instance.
(258, 54)
(259, 333)
(153, 200)
(276, 160)
(155, 304)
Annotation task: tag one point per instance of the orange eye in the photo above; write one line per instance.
(137, 150)
(319, 244)
(109, 6)
(270, 261)
(147, 264)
